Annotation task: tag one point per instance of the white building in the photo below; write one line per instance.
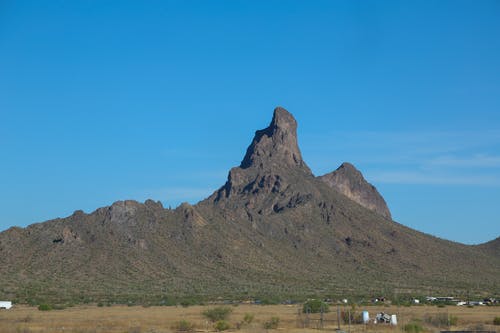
(5, 305)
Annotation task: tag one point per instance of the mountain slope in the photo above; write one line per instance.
(271, 229)
(492, 247)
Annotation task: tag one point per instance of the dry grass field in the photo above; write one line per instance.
(137, 319)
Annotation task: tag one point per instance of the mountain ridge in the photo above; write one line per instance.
(272, 229)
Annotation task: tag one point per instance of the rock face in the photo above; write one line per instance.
(275, 146)
(349, 181)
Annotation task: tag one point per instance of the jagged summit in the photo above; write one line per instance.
(276, 145)
(349, 181)
(272, 162)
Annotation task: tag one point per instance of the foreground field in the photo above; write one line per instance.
(123, 319)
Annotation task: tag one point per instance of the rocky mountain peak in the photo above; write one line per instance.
(275, 146)
(283, 119)
(348, 167)
(350, 181)
(272, 164)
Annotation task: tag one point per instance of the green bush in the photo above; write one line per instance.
(183, 326)
(248, 318)
(413, 327)
(221, 325)
(496, 321)
(315, 306)
(188, 302)
(168, 302)
(269, 301)
(45, 307)
(272, 323)
(218, 313)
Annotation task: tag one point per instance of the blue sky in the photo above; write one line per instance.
(110, 100)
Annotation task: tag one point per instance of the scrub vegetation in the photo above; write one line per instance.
(242, 318)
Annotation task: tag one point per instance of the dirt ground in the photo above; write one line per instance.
(137, 319)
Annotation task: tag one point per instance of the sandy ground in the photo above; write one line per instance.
(137, 319)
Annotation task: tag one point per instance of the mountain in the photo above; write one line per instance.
(273, 229)
(350, 182)
(492, 247)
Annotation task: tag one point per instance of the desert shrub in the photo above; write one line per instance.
(183, 326)
(221, 325)
(168, 302)
(315, 306)
(100, 304)
(352, 316)
(45, 307)
(272, 323)
(218, 313)
(413, 327)
(189, 301)
(248, 318)
(496, 321)
(269, 301)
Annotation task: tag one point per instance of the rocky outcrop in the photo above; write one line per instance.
(349, 181)
(271, 163)
(276, 146)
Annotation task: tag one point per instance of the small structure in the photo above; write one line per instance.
(445, 299)
(5, 305)
(366, 317)
(383, 318)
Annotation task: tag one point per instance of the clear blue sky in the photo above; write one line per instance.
(110, 100)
